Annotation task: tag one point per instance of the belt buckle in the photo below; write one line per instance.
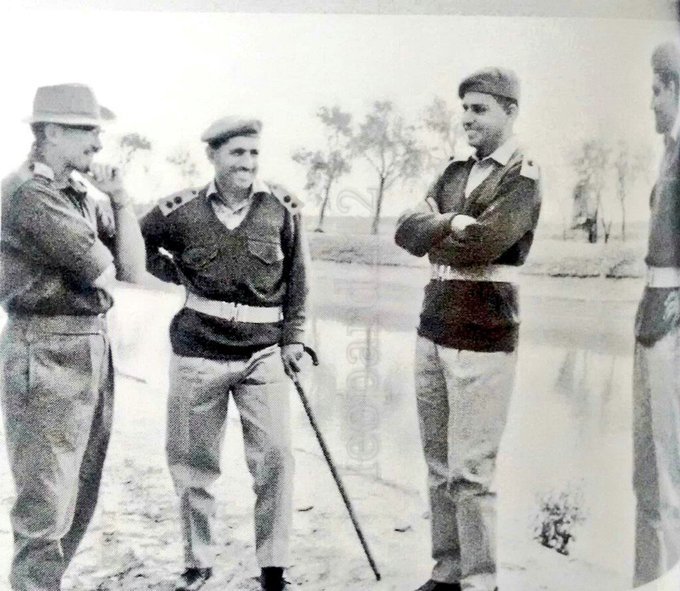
(439, 271)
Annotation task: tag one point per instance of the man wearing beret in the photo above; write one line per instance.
(58, 262)
(656, 384)
(238, 248)
(476, 225)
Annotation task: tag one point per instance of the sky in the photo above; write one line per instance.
(167, 75)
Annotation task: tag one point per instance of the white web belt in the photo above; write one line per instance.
(663, 277)
(233, 311)
(498, 273)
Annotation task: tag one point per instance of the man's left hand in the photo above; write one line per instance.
(291, 355)
(108, 179)
(671, 312)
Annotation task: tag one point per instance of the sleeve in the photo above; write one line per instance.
(297, 263)
(159, 262)
(48, 220)
(507, 219)
(421, 228)
(106, 225)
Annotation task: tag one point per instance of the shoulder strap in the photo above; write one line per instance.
(173, 202)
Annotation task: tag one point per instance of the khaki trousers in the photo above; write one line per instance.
(57, 398)
(656, 479)
(463, 399)
(197, 412)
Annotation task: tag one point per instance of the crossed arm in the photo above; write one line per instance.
(461, 240)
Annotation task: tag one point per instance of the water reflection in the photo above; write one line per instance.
(569, 427)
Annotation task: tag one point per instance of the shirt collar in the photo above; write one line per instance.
(41, 169)
(257, 187)
(503, 153)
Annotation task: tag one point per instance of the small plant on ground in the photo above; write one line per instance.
(559, 513)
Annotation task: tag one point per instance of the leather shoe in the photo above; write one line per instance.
(439, 586)
(272, 579)
(193, 579)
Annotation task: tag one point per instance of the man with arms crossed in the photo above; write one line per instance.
(656, 382)
(238, 248)
(476, 225)
(58, 264)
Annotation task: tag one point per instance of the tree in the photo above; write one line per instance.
(389, 145)
(325, 167)
(628, 166)
(443, 124)
(185, 163)
(130, 144)
(590, 163)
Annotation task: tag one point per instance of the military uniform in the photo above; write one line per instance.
(466, 347)
(57, 377)
(245, 274)
(656, 384)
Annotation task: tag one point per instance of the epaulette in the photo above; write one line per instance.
(173, 202)
(286, 198)
(530, 169)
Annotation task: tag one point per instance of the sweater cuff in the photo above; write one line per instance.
(293, 334)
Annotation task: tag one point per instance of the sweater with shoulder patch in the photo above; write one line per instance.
(474, 315)
(262, 262)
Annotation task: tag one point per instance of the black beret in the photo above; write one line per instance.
(228, 127)
(666, 58)
(497, 81)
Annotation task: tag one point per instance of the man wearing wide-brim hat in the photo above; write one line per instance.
(476, 225)
(237, 246)
(656, 383)
(58, 263)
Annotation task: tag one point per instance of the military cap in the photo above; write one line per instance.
(229, 127)
(666, 58)
(496, 81)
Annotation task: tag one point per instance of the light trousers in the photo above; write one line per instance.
(57, 398)
(463, 400)
(197, 412)
(656, 479)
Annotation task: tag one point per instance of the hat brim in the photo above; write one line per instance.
(72, 118)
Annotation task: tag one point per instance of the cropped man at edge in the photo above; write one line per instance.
(237, 246)
(59, 259)
(476, 225)
(656, 376)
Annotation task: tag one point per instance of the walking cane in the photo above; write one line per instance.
(331, 466)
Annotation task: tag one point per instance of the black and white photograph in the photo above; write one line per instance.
(340, 295)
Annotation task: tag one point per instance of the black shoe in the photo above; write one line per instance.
(193, 578)
(272, 579)
(437, 586)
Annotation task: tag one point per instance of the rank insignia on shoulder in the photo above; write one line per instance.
(173, 202)
(530, 169)
(287, 199)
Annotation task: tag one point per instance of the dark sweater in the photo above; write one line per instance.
(474, 315)
(663, 246)
(261, 262)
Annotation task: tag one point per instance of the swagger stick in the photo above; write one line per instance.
(331, 465)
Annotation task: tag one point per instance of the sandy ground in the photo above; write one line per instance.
(133, 543)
